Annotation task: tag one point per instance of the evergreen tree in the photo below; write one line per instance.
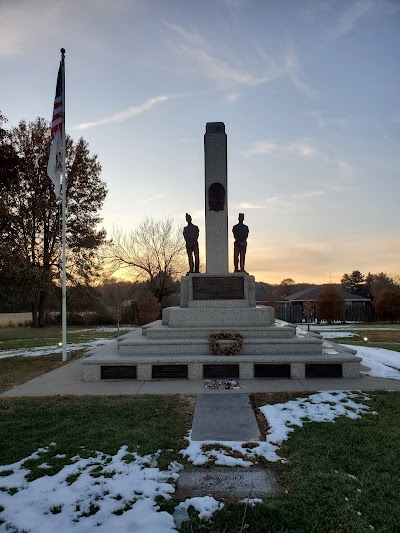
(353, 282)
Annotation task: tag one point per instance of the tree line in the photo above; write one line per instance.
(152, 254)
(383, 291)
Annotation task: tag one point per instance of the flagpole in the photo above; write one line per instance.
(63, 216)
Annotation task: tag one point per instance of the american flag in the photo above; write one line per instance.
(54, 166)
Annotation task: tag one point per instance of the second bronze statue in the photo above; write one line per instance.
(191, 234)
(240, 232)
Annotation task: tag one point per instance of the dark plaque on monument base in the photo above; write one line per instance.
(118, 372)
(169, 371)
(220, 371)
(321, 370)
(218, 288)
(272, 370)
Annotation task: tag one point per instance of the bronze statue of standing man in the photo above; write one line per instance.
(240, 232)
(191, 234)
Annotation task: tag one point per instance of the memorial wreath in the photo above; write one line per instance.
(230, 349)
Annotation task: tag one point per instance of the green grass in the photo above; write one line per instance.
(84, 425)
(387, 339)
(395, 347)
(17, 370)
(14, 338)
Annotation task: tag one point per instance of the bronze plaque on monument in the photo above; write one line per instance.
(218, 288)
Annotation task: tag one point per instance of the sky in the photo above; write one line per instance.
(308, 91)
(126, 485)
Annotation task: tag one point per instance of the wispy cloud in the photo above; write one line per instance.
(248, 205)
(152, 198)
(293, 72)
(283, 202)
(350, 17)
(232, 97)
(323, 120)
(358, 10)
(195, 47)
(309, 194)
(299, 148)
(277, 201)
(125, 114)
(343, 188)
(226, 72)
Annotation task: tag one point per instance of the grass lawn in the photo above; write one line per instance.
(341, 477)
(377, 338)
(143, 423)
(17, 370)
(395, 347)
(14, 338)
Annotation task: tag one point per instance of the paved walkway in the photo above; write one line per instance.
(224, 418)
(67, 380)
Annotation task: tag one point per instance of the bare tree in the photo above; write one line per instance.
(154, 251)
(118, 297)
(308, 312)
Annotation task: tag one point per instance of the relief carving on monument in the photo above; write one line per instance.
(216, 197)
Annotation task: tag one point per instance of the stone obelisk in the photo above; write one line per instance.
(216, 198)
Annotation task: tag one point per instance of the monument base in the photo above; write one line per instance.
(106, 363)
(177, 347)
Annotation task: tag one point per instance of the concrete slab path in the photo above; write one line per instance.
(224, 418)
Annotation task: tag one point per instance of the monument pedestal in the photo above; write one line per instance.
(178, 345)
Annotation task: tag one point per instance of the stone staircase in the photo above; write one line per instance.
(177, 347)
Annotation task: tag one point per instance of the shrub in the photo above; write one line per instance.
(330, 305)
(387, 304)
(148, 308)
(81, 319)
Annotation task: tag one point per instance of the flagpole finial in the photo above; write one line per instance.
(62, 51)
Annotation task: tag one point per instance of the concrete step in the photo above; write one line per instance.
(137, 344)
(166, 332)
(148, 367)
